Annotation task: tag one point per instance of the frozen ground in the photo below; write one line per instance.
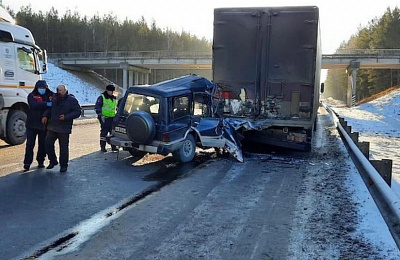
(336, 216)
(378, 122)
(85, 92)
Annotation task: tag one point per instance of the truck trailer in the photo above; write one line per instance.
(21, 64)
(266, 65)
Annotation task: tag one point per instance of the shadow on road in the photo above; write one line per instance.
(251, 148)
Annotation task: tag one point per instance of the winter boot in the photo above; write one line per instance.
(26, 167)
(103, 146)
(114, 148)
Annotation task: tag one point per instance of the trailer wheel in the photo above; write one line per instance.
(16, 130)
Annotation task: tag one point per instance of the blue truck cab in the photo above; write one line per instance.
(172, 116)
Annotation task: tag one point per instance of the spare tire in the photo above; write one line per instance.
(140, 127)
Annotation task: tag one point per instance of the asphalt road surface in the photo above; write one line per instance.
(37, 205)
(109, 206)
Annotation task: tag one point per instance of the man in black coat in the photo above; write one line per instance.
(39, 101)
(65, 108)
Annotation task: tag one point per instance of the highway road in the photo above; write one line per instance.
(275, 205)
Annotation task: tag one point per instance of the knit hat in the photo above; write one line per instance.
(41, 84)
(110, 87)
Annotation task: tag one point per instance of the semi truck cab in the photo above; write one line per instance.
(21, 64)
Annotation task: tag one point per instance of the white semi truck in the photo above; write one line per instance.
(21, 64)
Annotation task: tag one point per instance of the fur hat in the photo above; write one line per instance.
(110, 87)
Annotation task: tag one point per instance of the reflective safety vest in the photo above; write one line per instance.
(109, 106)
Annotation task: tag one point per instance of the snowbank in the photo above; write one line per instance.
(86, 93)
(378, 122)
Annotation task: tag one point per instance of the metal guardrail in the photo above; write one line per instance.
(87, 107)
(132, 54)
(382, 52)
(163, 54)
(384, 197)
(364, 53)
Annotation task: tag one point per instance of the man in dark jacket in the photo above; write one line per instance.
(39, 101)
(59, 121)
(105, 108)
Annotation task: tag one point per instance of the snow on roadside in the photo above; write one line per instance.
(378, 122)
(371, 224)
(86, 93)
(336, 217)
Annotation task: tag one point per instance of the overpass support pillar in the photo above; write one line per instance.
(125, 79)
(130, 78)
(133, 75)
(140, 77)
(351, 82)
(136, 78)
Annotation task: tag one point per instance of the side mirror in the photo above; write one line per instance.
(1, 101)
(44, 68)
(322, 87)
(45, 56)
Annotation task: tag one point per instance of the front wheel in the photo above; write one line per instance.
(187, 151)
(16, 130)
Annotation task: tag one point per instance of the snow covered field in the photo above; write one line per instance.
(378, 122)
(86, 93)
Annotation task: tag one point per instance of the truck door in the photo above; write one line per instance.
(270, 54)
(180, 116)
(27, 66)
(236, 51)
(7, 64)
(288, 75)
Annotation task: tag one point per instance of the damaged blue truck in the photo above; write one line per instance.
(266, 73)
(173, 116)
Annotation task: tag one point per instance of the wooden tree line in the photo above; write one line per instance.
(380, 33)
(73, 33)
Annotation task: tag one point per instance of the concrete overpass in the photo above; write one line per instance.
(354, 59)
(137, 65)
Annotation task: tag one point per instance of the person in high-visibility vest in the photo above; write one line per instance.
(106, 106)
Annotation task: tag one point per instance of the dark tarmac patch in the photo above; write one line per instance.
(55, 244)
(169, 171)
(259, 148)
